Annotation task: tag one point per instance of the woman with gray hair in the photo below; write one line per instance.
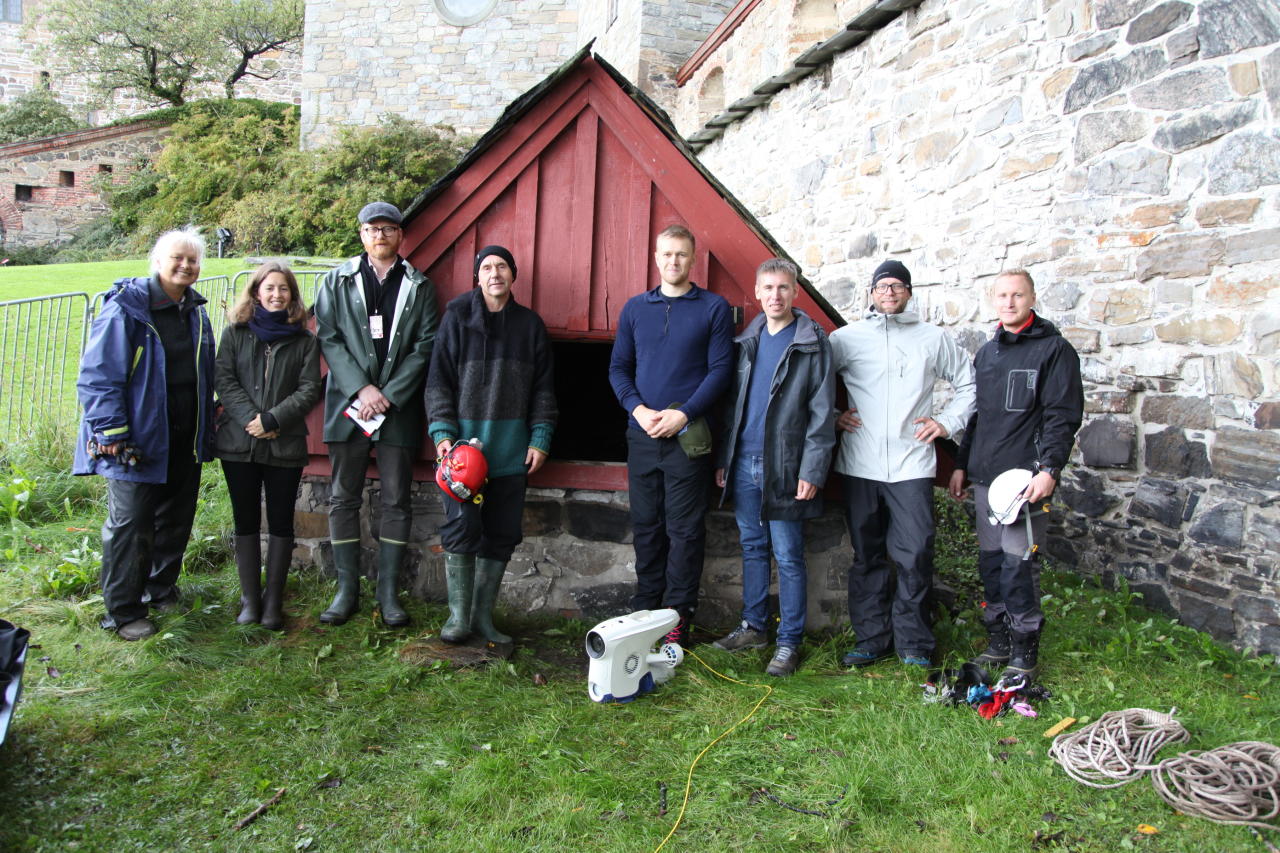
(146, 386)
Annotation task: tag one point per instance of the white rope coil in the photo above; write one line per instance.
(1238, 783)
(1116, 748)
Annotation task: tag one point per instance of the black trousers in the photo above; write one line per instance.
(350, 460)
(890, 523)
(246, 483)
(669, 499)
(491, 530)
(144, 537)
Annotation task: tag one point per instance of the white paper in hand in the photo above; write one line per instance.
(367, 426)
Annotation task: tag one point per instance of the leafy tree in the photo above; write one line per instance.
(33, 115)
(163, 50)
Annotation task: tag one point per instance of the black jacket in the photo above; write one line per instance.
(1030, 403)
(800, 431)
(251, 378)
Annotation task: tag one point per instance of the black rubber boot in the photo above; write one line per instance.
(279, 554)
(997, 653)
(1024, 657)
(488, 578)
(346, 561)
(390, 558)
(459, 575)
(249, 568)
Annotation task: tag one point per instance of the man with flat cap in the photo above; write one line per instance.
(889, 362)
(376, 319)
(491, 379)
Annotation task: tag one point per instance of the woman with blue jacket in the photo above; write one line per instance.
(268, 378)
(146, 386)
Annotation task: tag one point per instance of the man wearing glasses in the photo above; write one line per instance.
(376, 319)
(889, 363)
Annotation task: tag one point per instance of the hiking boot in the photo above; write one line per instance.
(915, 659)
(138, 629)
(861, 657)
(997, 653)
(680, 635)
(784, 663)
(1023, 656)
(742, 637)
(170, 602)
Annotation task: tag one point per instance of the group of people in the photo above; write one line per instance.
(756, 413)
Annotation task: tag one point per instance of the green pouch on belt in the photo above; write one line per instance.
(695, 438)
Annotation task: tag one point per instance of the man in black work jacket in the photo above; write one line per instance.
(1030, 404)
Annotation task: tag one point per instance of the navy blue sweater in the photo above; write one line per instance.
(672, 351)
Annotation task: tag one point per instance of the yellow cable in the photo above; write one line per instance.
(688, 785)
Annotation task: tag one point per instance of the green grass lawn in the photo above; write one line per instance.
(48, 279)
(167, 743)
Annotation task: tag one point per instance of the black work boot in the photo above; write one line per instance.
(459, 576)
(248, 550)
(998, 648)
(390, 557)
(1023, 657)
(346, 561)
(279, 554)
(489, 574)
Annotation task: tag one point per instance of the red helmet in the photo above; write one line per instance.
(463, 472)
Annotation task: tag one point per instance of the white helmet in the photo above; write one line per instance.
(1007, 495)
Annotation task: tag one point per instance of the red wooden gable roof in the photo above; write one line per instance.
(577, 178)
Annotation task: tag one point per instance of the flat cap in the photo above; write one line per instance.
(380, 210)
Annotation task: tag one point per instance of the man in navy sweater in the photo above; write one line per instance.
(672, 360)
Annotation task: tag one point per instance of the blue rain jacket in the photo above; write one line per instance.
(122, 385)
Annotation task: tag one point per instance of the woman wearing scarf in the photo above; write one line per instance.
(268, 378)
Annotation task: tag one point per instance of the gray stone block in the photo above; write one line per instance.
(1184, 134)
(1098, 132)
(1113, 13)
(1180, 256)
(1230, 26)
(1270, 68)
(1186, 412)
(1160, 501)
(598, 522)
(1089, 47)
(1251, 457)
(1204, 616)
(1156, 22)
(1109, 76)
(1221, 525)
(1086, 492)
(1257, 609)
(1138, 172)
(1195, 87)
(1108, 442)
(1244, 162)
(1182, 47)
(1154, 597)
(1252, 246)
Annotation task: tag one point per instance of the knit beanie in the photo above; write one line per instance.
(892, 269)
(500, 251)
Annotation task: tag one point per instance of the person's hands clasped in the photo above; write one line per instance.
(372, 402)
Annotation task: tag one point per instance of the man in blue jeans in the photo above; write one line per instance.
(773, 461)
(671, 362)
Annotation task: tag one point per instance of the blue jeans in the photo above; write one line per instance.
(785, 539)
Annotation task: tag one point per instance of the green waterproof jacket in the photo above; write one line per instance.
(252, 377)
(342, 325)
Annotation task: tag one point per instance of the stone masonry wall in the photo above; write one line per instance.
(55, 209)
(363, 59)
(1127, 152)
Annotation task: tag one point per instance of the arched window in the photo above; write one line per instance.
(464, 13)
(711, 96)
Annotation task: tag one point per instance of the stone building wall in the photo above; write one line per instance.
(48, 187)
(21, 68)
(1127, 152)
(363, 59)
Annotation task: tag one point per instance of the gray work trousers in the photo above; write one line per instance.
(1011, 585)
(350, 462)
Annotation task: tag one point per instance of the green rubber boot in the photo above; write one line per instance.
(459, 573)
(346, 560)
(488, 578)
(390, 558)
(279, 555)
(249, 570)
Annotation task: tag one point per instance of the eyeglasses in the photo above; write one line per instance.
(384, 230)
(885, 288)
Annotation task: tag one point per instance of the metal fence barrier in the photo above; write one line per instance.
(42, 339)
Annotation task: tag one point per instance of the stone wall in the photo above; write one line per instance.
(21, 68)
(1128, 153)
(363, 59)
(48, 188)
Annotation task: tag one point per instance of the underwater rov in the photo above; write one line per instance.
(623, 663)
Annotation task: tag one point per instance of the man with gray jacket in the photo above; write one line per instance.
(774, 457)
(889, 363)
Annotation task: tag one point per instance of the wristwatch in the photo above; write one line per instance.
(1055, 473)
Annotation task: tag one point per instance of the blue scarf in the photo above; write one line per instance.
(271, 326)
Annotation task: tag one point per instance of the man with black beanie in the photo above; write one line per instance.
(889, 363)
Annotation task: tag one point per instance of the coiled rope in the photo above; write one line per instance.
(1116, 748)
(1237, 783)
